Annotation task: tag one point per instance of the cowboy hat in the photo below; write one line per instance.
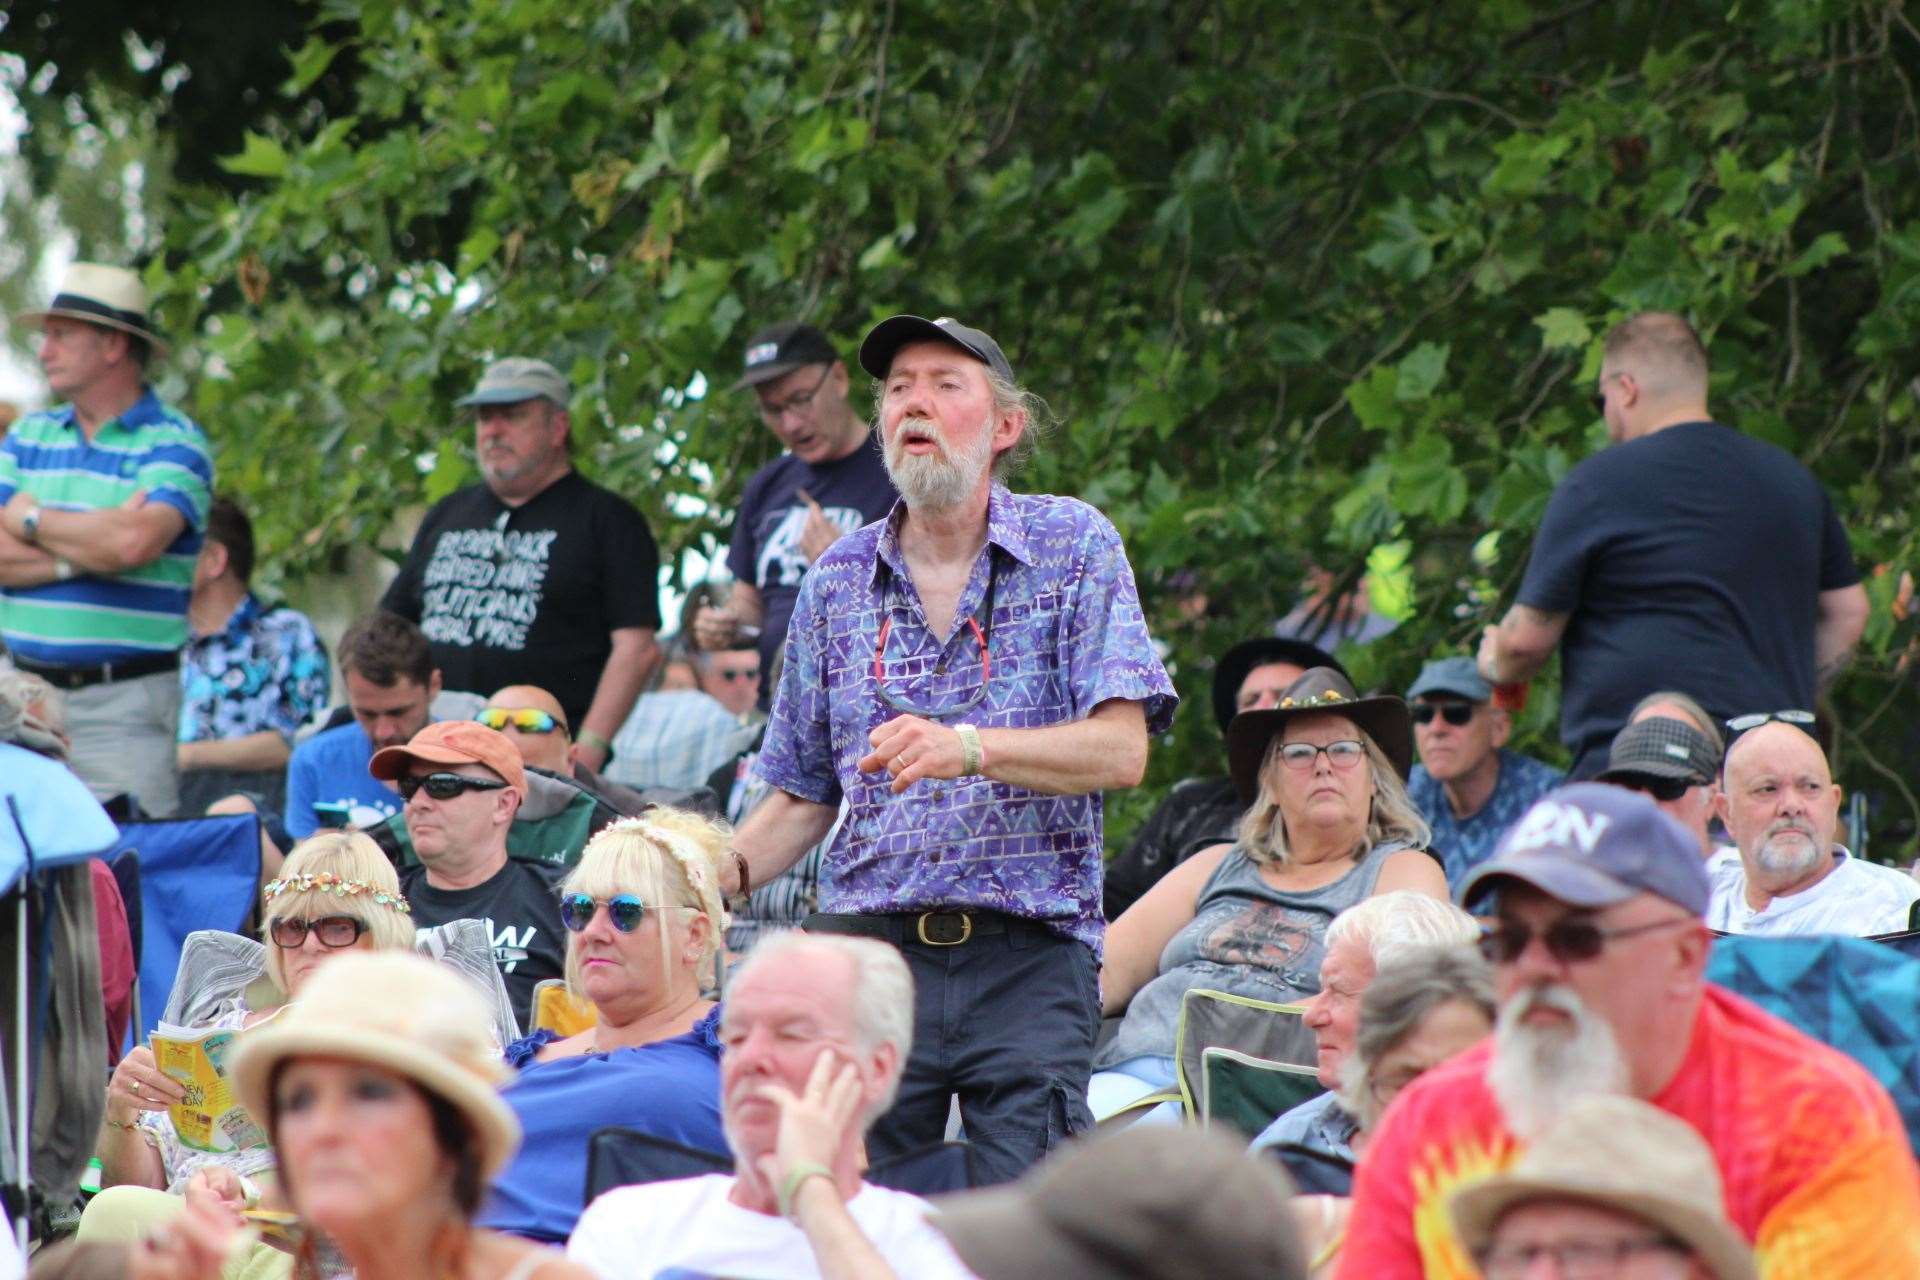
(1382, 718)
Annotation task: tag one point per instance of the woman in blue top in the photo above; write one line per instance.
(645, 918)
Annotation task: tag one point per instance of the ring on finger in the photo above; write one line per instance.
(134, 1085)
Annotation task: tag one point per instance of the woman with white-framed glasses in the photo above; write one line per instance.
(1328, 824)
(644, 921)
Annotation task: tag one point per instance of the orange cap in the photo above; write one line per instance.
(454, 742)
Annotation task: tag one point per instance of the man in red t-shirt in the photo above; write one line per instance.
(1599, 951)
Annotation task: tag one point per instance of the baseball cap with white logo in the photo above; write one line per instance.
(884, 341)
(1593, 845)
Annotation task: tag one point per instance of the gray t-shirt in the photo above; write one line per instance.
(1246, 938)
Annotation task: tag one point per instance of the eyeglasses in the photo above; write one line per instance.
(798, 402)
(445, 786)
(1569, 939)
(1344, 754)
(980, 636)
(1456, 714)
(525, 719)
(1667, 789)
(1573, 1259)
(333, 931)
(625, 910)
(1792, 715)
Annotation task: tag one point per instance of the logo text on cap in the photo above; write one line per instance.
(1560, 826)
(762, 353)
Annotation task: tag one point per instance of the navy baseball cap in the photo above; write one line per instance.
(1457, 676)
(884, 341)
(1593, 845)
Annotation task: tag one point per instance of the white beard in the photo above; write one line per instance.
(1537, 1071)
(1782, 858)
(937, 481)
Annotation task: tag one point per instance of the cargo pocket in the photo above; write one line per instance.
(1067, 1114)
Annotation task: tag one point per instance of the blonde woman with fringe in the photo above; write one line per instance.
(1328, 824)
(645, 921)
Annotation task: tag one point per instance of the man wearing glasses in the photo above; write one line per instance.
(969, 674)
(1686, 554)
(1468, 786)
(830, 481)
(463, 783)
(1598, 949)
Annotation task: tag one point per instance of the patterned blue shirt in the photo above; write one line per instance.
(1464, 843)
(1066, 634)
(264, 670)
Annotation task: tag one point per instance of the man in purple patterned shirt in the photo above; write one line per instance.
(969, 674)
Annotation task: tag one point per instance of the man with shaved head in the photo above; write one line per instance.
(533, 721)
(1780, 804)
(1686, 554)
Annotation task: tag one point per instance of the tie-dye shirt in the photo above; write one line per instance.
(1065, 634)
(1816, 1166)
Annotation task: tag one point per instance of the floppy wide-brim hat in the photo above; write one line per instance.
(400, 1012)
(1322, 690)
(112, 297)
(1237, 663)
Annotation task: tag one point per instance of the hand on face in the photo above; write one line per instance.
(813, 1123)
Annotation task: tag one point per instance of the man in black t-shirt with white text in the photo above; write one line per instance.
(463, 783)
(537, 576)
(830, 481)
(1684, 556)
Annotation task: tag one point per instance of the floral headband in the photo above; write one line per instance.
(693, 865)
(327, 882)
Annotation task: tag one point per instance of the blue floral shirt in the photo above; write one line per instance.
(1462, 844)
(265, 670)
(1065, 634)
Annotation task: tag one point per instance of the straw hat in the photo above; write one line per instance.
(1622, 1154)
(112, 297)
(1382, 717)
(401, 1012)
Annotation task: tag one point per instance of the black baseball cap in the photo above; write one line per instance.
(884, 341)
(778, 350)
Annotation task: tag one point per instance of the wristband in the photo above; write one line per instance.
(973, 754)
(587, 737)
(129, 1125)
(796, 1177)
(740, 865)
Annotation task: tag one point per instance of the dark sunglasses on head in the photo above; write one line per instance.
(1454, 713)
(333, 931)
(445, 786)
(1568, 939)
(525, 719)
(1668, 789)
(625, 910)
(1792, 715)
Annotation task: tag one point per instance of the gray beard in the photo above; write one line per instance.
(938, 482)
(1537, 1072)
(1777, 858)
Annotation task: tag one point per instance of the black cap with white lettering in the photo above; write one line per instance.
(883, 343)
(778, 350)
(1593, 845)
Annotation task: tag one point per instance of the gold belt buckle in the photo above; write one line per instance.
(966, 928)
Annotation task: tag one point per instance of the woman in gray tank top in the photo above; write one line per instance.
(1329, 824)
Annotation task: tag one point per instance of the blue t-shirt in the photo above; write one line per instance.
(670, 1089)
(1462, 844)
(331, 768)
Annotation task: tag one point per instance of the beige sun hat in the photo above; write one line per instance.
(399, 1011)
(102, 295)
(1622, 1154)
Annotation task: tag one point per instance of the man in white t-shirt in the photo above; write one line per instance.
(1780, 804)
(814, 1032)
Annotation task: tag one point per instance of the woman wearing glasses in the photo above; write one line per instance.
(644, 920)
(1329, 824)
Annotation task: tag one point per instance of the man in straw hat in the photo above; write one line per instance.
(1598, 952)
(1615, 1190)
(106, 501)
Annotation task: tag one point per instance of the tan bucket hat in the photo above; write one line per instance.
(110, 296)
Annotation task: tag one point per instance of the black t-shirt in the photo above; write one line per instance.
(852, 491)
(1690, 559)
(521, 905)
(529, 594)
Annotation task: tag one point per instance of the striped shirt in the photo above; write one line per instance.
(95, 618)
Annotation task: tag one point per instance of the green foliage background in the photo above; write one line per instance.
(1305, 282)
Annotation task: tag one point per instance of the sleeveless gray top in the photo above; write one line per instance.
(1246, 938)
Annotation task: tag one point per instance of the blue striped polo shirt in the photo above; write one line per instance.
(95, 618)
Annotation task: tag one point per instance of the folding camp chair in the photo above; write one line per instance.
(1257, 1029)
(1246, 1093)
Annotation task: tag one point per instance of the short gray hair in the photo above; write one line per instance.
(1390, 925)
(1406, 990)
(1692, 709)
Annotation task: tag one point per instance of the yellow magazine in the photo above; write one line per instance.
(210, 1118)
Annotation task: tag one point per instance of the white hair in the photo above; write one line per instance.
(1391, 924)
(1537, 1072)
(880, 1000)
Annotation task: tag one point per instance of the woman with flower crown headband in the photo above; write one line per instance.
(336, 893)
(644, 921)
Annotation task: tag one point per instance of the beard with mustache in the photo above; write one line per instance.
(1539, 1069)
(1779, 857)
(936, 481)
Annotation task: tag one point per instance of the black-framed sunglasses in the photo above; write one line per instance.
(1457, 714)
(445, 786)
(1569, 939)
(1668, 789)
(289, 933)
(1792, 715)
(798, 402)
(624, 909)
(732, 676)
